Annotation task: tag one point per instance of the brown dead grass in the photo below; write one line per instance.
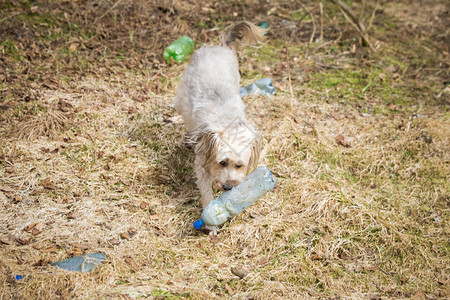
(93, 150)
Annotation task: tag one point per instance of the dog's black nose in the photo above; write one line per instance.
(227, 186)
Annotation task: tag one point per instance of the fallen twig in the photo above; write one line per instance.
(311, 39)
(372, 16)
(353, 19)
(110, 9)
(289, 77)
(321, 22)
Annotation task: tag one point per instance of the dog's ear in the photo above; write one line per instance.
(191, 139)
(207, 147)
(254, 156)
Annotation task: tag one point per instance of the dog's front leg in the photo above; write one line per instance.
(204, 184)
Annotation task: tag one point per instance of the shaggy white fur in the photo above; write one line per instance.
(226, 145)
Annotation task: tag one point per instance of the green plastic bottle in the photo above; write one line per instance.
(179, 49)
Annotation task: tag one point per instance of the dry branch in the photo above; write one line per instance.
(353, 19)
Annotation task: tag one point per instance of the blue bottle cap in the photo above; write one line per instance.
(18, 277)
(198, 224)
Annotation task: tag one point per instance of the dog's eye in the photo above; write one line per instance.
(238, 166)
(223, 163)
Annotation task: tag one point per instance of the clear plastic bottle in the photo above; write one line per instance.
(179, 49)
(261, 87)
(236, 200)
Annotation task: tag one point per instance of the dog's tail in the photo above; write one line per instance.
(242, 34)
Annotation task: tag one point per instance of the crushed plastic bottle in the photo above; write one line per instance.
(179, 49)
(84, 263)
(236, 200)
(264, 25)
(261, 87)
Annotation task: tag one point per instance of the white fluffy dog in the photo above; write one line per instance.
(226, 145)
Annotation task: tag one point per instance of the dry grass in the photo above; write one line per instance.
(92, 149)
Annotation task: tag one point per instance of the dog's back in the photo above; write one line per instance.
(210, 81)
(210, 85)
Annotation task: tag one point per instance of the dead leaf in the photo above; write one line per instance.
(64, 106)
(373, 297)
(239, 272)
(36, 246)
(392, 107)
(44, 150)
(131, 152)
(48, 184)
(263, 261)
(144, 205)
(50, 250)
(419, 295)
(74, 252)
(34, 228)
(125, 235)
(80, 246)
(5, 241)
(31, 226)
(221, 266)
(340, 140)
(37, 228)
(371, 268)
(105, 177)
(129, 260)
(316, 257)
(214, 238)
(41, 262)
(125, 182)
(335, 115)
(114, 241)
(23, 241)
(163, 178)
(71, 215)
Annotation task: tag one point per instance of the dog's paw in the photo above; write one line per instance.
(212, 230)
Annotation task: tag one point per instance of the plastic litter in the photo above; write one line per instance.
(84, 263)
(236, 200)
(264, 25)
(179, 49)
(261, 87)
(18, 277)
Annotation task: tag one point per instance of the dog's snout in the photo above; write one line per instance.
(227, 186)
